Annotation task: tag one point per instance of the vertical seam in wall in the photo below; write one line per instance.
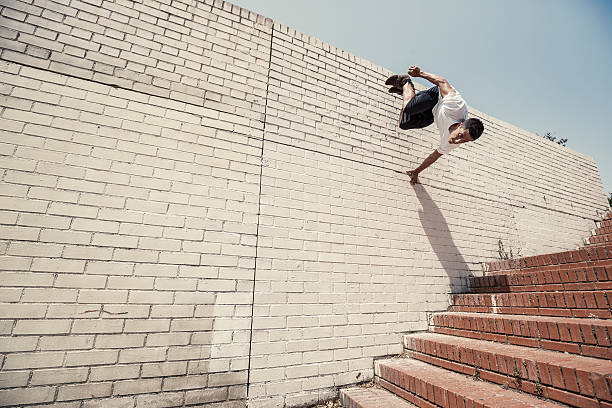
(263, 140)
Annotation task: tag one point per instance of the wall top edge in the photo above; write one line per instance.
(314, 41)
(240, 11)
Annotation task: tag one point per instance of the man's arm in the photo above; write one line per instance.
(442, 83)
(414, 174)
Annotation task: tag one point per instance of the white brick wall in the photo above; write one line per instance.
(133, 218)
(127, 209)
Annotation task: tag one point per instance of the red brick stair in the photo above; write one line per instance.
(583, 257)
(601, 235)
(568, 279)
(372, 397)
(532, 332)
(587, 337)
(568, 304)
(605, 239)
(571, 379)
(428, 386)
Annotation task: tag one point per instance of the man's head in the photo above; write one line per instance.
(466, 131)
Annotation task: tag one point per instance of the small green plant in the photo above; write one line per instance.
(516, 373)
(503, 254)
(539, 391)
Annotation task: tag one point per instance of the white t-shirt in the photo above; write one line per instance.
(449, 110)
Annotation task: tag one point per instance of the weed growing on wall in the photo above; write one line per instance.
(549, 136)
(509, 254)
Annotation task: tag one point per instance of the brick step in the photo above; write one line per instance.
(587, 337)
(585, 304)
(553, 261)
(603, 230)
(570, 379)
(606, 263)
(428, 386)
(570, 279)
(600, 239)
(372, 397)
(606, 222)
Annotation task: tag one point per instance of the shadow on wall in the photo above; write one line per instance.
(213, 352)
(439, 236)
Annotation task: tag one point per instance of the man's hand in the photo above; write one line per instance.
(414, 176)
(444, 87)
(414, 71)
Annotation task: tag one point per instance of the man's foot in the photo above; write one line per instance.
(399, 80)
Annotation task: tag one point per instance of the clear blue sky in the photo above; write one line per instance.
(542, 65)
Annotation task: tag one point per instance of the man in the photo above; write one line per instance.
(441, 104)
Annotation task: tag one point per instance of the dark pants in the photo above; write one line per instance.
(417, 113)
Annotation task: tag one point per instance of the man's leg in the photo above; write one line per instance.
(416, 111)
(407, 95)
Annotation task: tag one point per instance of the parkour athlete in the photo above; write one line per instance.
(441, 104)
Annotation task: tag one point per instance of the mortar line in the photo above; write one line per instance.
(261, 166)
(500, 200)
(305, 148)
(96, 81)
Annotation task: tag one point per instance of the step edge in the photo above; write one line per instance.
(528, 398)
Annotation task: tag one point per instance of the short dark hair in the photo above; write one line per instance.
(475, 127)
